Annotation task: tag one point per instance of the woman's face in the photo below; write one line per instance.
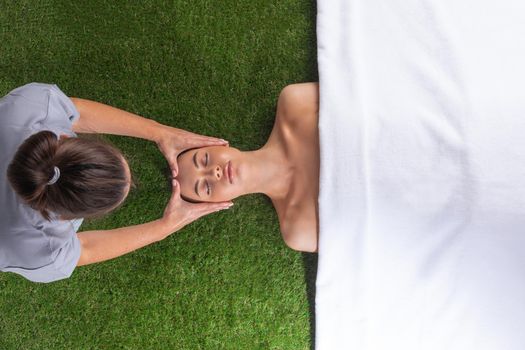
(211, 174)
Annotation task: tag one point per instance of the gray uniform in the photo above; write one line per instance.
(39, 250)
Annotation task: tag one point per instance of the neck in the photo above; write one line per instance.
(269, 172)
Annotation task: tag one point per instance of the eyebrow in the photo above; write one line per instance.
(195, 160)
(197, 166)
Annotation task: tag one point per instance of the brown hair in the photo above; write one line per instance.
(92, 181)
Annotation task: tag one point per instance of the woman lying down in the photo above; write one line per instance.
(286, 168)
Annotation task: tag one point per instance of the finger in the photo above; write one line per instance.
(204, 138)
(208, 208)
(174, 169)
(175, 197)
(175, 194)
(171, 157)
(204, 141)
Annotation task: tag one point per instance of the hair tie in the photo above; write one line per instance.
(55, 177)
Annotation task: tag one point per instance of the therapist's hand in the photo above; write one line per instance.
(179, 213)
(173, 141)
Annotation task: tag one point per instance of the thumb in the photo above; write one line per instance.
(175, 196)
(174, 168)
(208, 208)
(176, 189)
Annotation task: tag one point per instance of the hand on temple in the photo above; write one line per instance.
(179, 213)
(174, 141)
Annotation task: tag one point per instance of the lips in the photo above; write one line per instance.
(229, 172)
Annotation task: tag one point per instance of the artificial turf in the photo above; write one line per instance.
(212, 67)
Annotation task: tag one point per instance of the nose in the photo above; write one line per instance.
(216, 172)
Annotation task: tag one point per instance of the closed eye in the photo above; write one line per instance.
(207, 158)
(208, 188)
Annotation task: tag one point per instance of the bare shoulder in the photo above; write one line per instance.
(297, 100)
(299, 230)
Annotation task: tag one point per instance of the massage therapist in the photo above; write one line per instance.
(50, 180)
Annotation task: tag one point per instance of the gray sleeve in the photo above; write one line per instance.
(61, 110)
(40, 106)
(64, 260)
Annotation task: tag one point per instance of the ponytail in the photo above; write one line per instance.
(71, 177)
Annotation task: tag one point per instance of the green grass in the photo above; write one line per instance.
(213, 67)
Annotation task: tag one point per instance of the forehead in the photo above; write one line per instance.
(187, 176)
(189, 157)
(187, 160)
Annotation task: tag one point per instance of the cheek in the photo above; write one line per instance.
(222, 194)
(222, 157)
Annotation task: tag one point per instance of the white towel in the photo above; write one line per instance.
(422, 185)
